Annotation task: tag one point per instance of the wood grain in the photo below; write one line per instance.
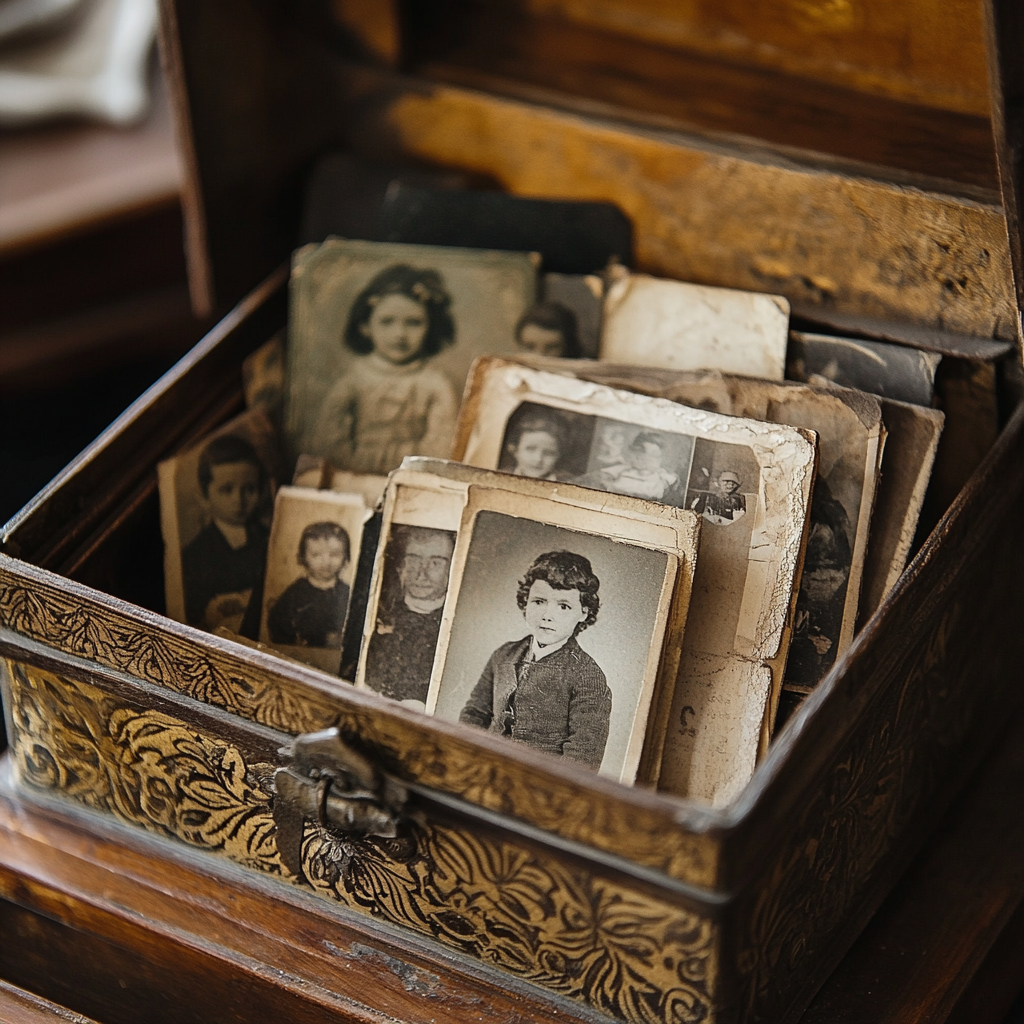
(173, 926)
(720, 217)
(916, 958)
(20, 1007)
(502, 46)
(924, 51)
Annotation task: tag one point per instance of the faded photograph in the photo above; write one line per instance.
(819, 612)
(723, 481)
(550, 638)
(545, 443)
(608, 455)
(381, 339)
(400, 652)
(583, 296)
(313, 550)
(549, 329)
(216, 502)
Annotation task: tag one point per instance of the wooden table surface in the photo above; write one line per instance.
(114, 930)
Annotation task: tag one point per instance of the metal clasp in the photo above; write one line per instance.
(329, 782)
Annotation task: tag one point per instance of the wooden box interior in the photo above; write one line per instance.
(855, 780)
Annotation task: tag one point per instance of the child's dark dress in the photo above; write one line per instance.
(304, 615)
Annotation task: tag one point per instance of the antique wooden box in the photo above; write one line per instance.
(621, 902)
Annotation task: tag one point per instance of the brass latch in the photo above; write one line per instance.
(329, 782)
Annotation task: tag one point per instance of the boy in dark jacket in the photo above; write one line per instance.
(222, 568)
(545, 690)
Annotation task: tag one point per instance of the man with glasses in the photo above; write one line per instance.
(401, 650)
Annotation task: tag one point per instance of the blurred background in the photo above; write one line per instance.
(94, 302)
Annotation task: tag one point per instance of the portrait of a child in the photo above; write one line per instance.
(223, 566)
(392, 402)
(536, 445)
(642, 472)
(544, 689)
(311, 611)
(549, 329)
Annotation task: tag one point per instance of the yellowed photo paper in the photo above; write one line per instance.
(216, 501)
(380, 340)
(751, 483)
(314, 547)
(652, 321)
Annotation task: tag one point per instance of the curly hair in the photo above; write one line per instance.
(321, 531)
(419, 284)
(554, 316)
(564, 570)
(223, 450)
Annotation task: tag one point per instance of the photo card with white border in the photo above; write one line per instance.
(408, 586)
(216, 503)
(752, 483)
(314, 548)
(554, 626)
(678, 528)
(380, 339)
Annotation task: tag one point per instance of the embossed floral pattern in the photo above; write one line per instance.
(87, 628)
(573, 932)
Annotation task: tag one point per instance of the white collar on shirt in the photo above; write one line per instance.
(542, 652)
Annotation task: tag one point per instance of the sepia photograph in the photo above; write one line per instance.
(381, 337)
(751, 483)
(554, 630)
(216, 502)
(314, 547)
(409, 586)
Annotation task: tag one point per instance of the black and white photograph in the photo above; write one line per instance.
(566, 322)
(583, 296)
(381, 337)
(551, 637)
(216, 502)
(399, 650)
(314, 548)
(749, 480)
(592, 451)
(890, 371)
(723, 481)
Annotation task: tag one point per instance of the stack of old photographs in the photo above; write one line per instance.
(582, 512)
